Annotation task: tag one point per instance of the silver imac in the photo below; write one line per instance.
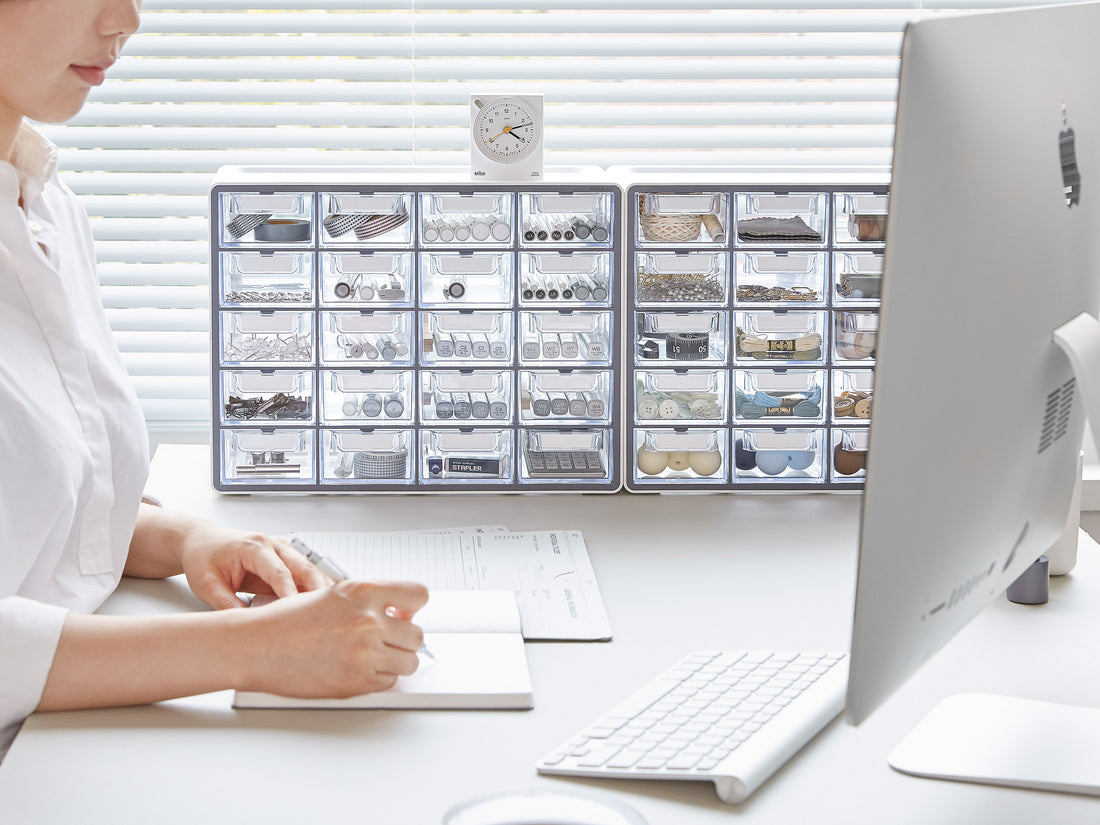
(988, 356)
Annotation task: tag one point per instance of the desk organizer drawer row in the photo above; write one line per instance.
(717, 396)
(381, 279)
(758, 337)
(777, 458)
(396, 219)
(260, 398)
(280, 338)
(757, 278)
(809, 217)
(403, 458)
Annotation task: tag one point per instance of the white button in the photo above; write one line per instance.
(35, 226)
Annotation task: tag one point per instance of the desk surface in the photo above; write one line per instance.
(677, 573)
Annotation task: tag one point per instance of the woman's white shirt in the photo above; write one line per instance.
(73, 449)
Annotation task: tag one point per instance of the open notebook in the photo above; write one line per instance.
(479, 661)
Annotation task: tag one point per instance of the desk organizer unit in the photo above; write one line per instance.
(751, 312)
(414, 332)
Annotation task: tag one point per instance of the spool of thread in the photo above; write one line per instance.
(714, 228)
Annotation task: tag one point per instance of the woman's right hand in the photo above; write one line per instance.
(352, 638)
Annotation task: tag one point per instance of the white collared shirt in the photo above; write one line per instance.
(73, 447)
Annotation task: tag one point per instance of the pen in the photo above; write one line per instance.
(336, 573)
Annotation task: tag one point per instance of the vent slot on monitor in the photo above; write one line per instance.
(1056, 414)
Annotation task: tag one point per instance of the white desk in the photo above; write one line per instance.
(677, 573)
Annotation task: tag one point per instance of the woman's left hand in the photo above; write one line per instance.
(218, 561)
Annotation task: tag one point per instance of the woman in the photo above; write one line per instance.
(72, 440)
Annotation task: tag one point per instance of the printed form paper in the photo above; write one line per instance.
(549, 571)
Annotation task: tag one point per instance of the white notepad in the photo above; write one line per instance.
(480, 661)
(549, 571)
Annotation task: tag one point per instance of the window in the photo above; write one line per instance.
(215, 82)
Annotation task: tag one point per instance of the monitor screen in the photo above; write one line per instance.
(993, 244)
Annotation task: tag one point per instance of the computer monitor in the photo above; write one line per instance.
(991, 287)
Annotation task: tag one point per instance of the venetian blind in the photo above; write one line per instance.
(214, 82)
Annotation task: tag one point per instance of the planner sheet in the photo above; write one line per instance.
(549, 571)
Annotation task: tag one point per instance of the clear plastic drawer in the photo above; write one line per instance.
(466, 396)
(852, 394)
(366, 219)
(576, 396)
(666, 218)
(858, 277)
(368, 456)
(267, 457)
(566, 219)
(855, 336)
(357, 337)
(457, 279)
(680, 455)
(482, 456)
(860, 217)
(780, 278)
(678, 396)
(377, 397)
(779, 335)
(565, 456)
(466, 337)
(565, 337)
(266, 278)
(264, 396)
(780, 219)
(849, 454)
(680, 337)
(779, 454)
(477, 219)
(565, 277)
(680, 277)
(766, 395)
(255, 338)
(367, 279)
(267, 219)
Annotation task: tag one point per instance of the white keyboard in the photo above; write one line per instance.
(729, 717)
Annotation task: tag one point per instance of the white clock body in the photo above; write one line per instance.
(506, 137)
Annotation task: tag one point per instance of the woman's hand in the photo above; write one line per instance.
(218, 561)
(345, 640)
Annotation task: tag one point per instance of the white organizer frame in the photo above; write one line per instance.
(730, 190)
(462, 473)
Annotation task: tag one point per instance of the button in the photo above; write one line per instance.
(34, 226)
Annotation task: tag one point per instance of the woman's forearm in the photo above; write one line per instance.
(104, 661)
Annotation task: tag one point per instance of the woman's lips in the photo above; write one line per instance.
(92, 75)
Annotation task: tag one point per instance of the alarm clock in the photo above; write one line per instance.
(506, 137)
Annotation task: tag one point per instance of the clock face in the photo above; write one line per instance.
(507, 130)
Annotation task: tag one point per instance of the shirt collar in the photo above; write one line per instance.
(33, 159)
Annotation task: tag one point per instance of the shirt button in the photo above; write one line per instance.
(34, 226)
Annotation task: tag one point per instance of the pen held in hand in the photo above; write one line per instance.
(337, 574)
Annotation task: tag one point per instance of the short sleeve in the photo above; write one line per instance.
(29, 632)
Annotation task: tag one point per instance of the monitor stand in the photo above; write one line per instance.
(1000, 740)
